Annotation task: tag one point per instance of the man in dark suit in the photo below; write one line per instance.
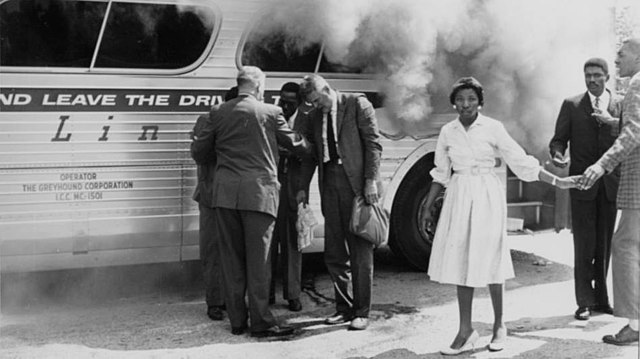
(244, 134)
(285, 237)
(589, 123)
(344, 132)
(209, 251)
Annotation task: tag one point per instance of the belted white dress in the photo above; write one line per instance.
(470, 244)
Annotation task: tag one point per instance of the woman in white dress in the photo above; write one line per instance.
(469, 247)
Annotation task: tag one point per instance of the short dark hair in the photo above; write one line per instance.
(597, 62)
(290, 87)
(467, 83)
(231, 93)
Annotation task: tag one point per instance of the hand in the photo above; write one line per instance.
(568, 182)
(370, 191)
(426, 217)
(590, 176)
(559, 161)
(604, 118)
(301, 197)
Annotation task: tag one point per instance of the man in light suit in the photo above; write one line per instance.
(625, 251)
(244, 134)
(588, 122)
(344, 131)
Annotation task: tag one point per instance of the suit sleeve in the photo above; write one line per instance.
(203, 144)
(289, 139)
(616, 106)
(629, 138)
(370, 137)
(309, 162)
(563, 130)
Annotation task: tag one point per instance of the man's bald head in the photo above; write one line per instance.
(628, 59)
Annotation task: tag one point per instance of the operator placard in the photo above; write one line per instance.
(78, 186)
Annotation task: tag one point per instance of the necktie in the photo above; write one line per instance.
(597, 106)
(331, 139)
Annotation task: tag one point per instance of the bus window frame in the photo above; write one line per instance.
(215, 32)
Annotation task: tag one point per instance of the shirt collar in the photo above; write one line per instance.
(604, 97)
(246, 94)
(480, 121)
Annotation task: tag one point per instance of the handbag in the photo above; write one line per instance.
(304, 225)
(369, 221)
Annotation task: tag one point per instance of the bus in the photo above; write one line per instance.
(97, 100)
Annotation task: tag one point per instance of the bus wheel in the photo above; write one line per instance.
(411, 239)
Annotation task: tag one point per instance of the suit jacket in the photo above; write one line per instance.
(245, 134)
(358, 142)
(588, 139)
(204, 187)
(290, 163)
(626, 149)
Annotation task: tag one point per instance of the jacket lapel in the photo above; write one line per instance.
(341, 110)
(613, 107)
(585, 104)
(317, 133)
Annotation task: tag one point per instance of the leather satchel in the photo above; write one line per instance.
(370, 222)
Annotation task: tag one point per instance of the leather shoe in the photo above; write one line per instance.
(215, 313)
(337, 318)
(468, 345)
(626, 336)
(295, 305)
(582, 313)
(359, 323)
(274, 331)
(238, 330)
(605, 308)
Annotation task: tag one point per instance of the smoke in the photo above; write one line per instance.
(527, 54)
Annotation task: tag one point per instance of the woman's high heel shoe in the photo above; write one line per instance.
(498, 345)
(467, 346)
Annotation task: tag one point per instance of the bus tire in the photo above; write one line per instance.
(410, 239)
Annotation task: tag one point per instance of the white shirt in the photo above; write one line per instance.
(459, 149)
(603, 100)
(334, 121)
(292, 120)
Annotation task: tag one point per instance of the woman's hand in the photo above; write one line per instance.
(567, 182)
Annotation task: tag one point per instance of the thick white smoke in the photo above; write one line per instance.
(527, 54)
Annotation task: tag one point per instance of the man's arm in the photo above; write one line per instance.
(202, 136)
(289, 139)
(627, 141)
(558, 144)
(309, 162)
(370, 137)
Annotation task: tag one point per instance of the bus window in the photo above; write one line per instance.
(158, 36)
(271, 48)
(49, 33)
(65, 33)
(279, 52)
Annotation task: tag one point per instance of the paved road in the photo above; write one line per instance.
(80, 315)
